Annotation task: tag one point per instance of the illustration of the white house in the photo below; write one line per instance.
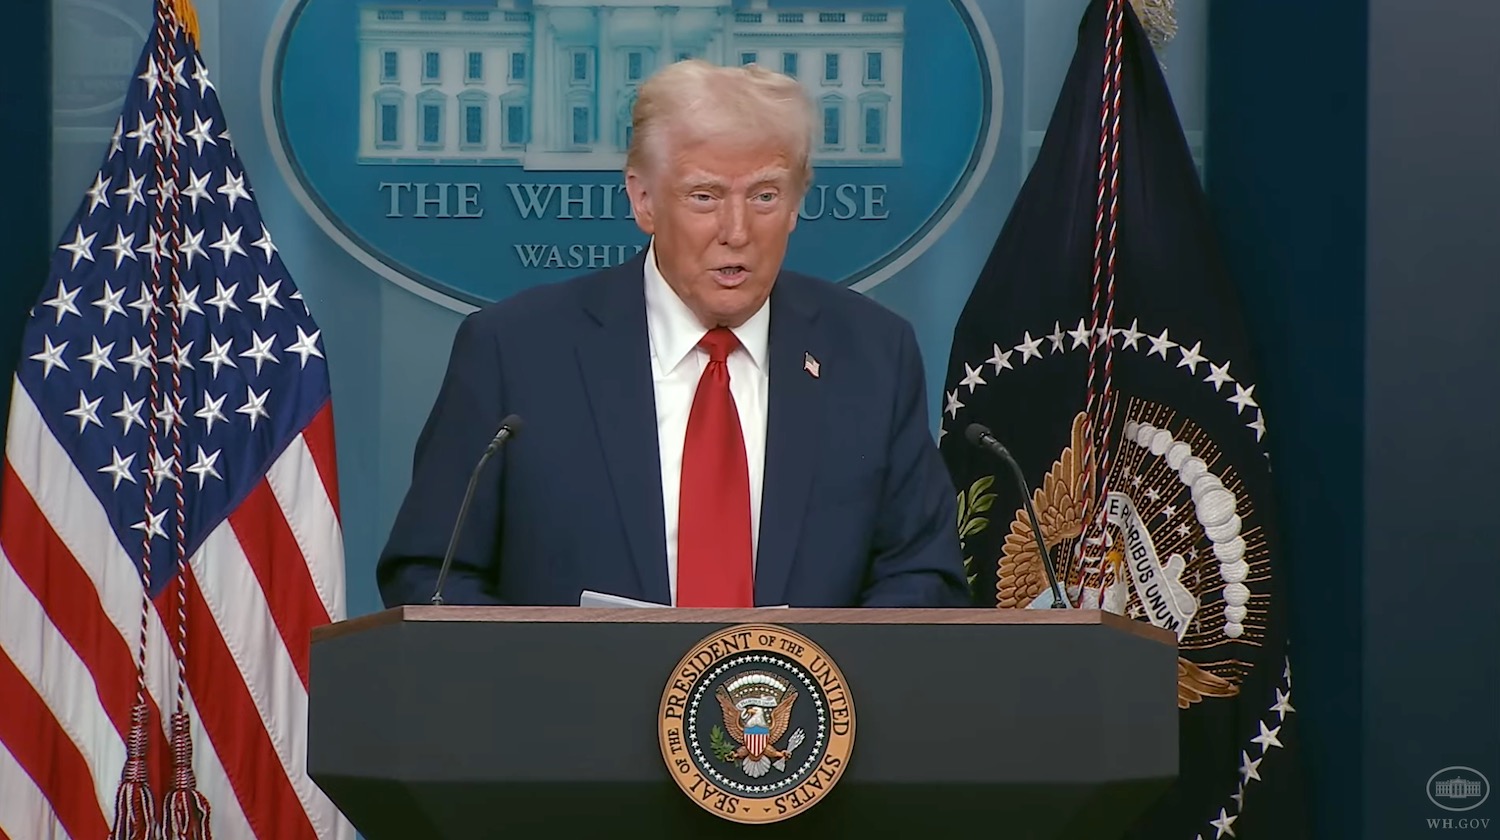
(1458, 788)
(549, 84)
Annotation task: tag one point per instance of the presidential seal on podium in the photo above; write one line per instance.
(756, 724)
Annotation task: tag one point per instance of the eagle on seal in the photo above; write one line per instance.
(756, 727)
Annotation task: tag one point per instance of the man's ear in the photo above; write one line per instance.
(640, 201)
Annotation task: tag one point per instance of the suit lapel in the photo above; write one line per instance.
(795, 408)
(615, 361)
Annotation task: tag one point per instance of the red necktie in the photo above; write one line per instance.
(714, 567)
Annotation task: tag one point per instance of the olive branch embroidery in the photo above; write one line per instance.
(970, 505)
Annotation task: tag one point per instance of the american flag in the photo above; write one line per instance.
(171, 424)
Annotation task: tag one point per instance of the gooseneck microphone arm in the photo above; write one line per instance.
(509, 428)
(983, 438)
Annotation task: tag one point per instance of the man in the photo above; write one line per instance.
(702, 428)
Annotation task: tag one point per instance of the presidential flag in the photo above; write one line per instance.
(169, 528)
(1104, 346)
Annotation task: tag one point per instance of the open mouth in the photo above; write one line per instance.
(731, 275)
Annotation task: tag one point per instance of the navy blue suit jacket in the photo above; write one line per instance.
(857, 507)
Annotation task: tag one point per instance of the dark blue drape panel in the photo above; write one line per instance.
(26, 155)
(1355, 177)
(1286, 180)
(1432, 412)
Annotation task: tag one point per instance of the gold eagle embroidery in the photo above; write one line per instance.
(1194, 683)
(1059, 505)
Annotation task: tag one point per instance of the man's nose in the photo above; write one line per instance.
(734, 224)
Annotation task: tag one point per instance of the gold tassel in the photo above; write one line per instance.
(187, 16)
(1158, 18)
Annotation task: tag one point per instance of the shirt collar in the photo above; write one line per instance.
(675, 330)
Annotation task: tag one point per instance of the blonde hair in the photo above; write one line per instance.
(707, 101)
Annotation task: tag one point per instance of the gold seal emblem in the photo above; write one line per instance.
(756, 724)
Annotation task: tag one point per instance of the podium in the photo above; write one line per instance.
(490, 722)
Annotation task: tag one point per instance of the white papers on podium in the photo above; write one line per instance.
(600, 599)
(590, 598)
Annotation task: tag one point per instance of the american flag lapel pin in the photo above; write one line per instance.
(810, 364)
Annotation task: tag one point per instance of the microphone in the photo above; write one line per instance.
(509, 428)
(983, 438)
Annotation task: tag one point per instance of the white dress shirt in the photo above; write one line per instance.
(676, 365)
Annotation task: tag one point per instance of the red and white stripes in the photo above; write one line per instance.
(71, 600)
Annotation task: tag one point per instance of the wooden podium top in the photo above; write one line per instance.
(797, 615)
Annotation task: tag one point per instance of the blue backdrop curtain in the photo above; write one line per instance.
(25, 154)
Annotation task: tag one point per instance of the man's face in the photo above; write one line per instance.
(720, 214)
